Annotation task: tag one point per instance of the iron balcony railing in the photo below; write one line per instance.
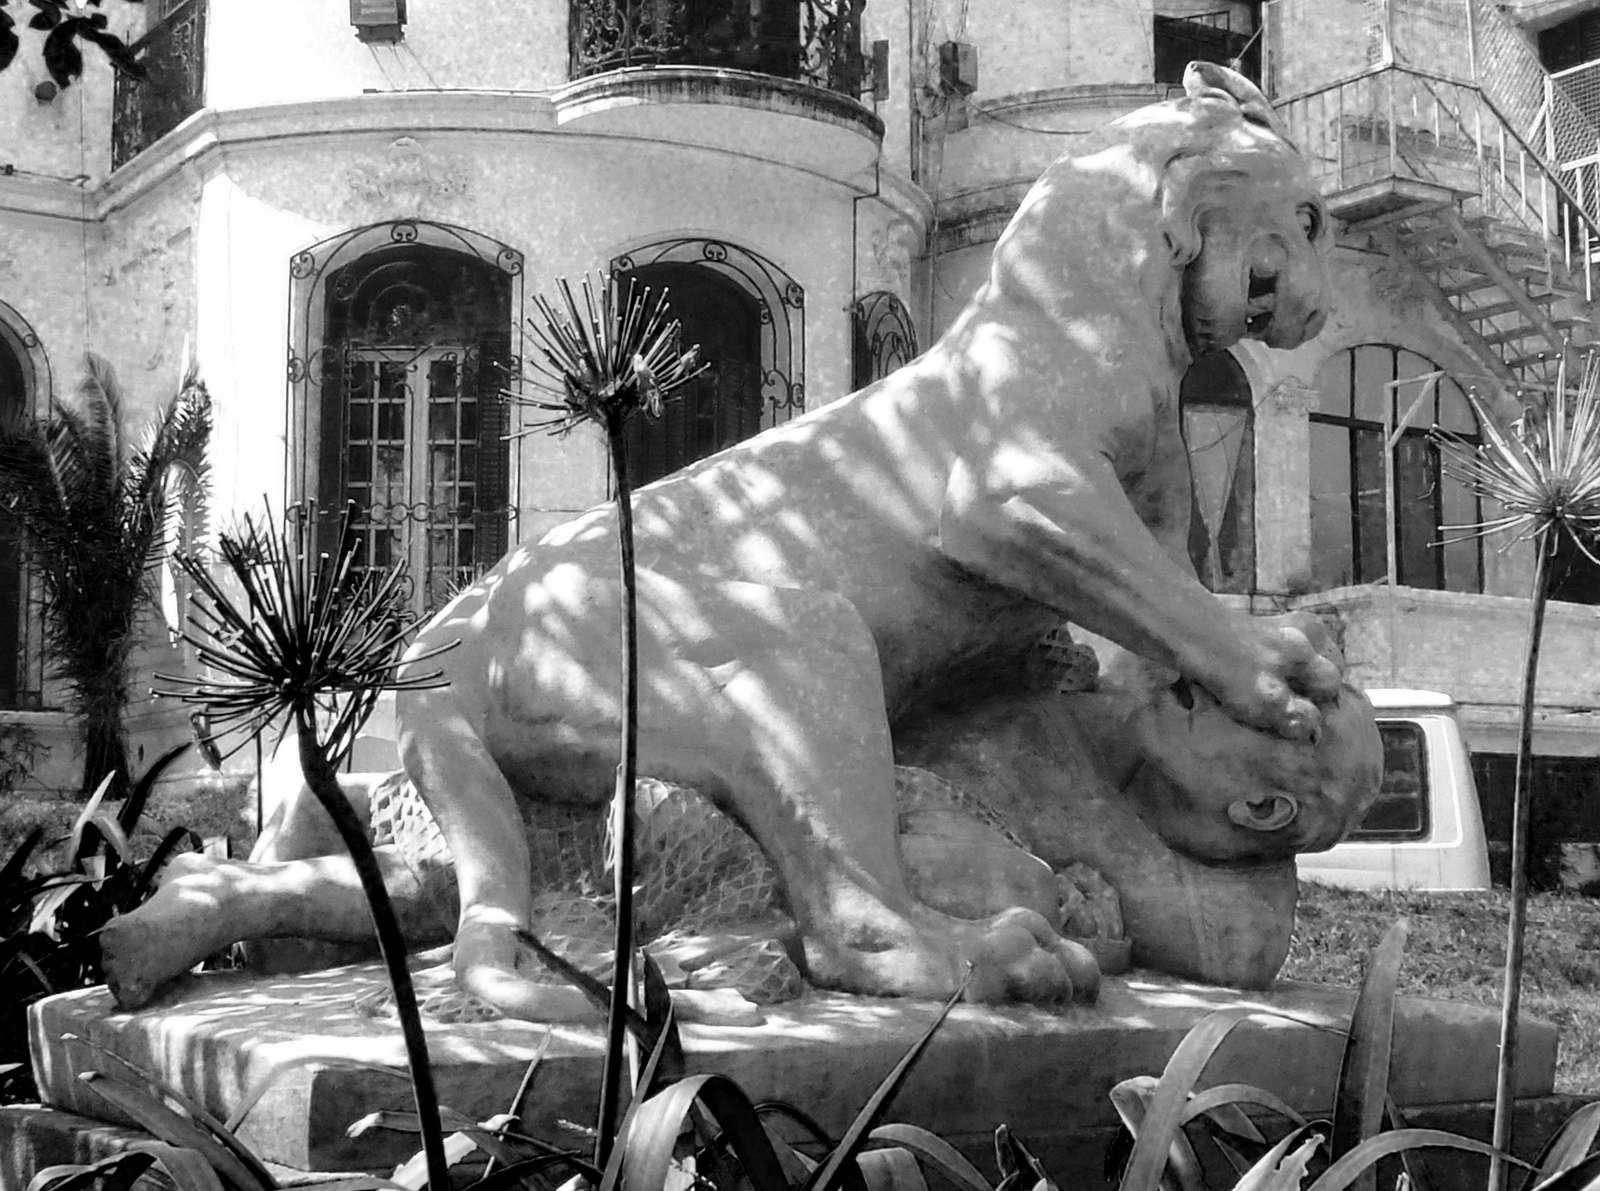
(812, 41)
(173, 89)
(1397, 123)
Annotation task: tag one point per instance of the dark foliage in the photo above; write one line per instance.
(95, 510)
(50, 918)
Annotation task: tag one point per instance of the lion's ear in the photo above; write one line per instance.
(1208, 80)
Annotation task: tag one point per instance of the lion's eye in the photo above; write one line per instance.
(1310, 221)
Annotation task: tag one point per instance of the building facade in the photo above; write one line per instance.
(343, 211)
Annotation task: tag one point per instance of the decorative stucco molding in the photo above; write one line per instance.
(410, 178)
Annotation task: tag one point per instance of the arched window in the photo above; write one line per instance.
(1350, 521)
(24, 378)
(748, 319)
(882, 338)
(409, 344)
(1218, 431)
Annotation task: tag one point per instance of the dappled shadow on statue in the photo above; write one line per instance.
(874, 576)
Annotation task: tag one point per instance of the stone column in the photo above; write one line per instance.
(1283, 487)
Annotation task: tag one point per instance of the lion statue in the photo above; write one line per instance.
(865, 583)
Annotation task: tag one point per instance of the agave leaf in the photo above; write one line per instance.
(512, 1178)
(156, 1118)
(1364, 1070)
(11, 871)
(221, 1133)
(189, 1169)
(891, 1169)
(1279, 1170)
(1221, 1104)
(650, 1131)
(48, 906)
(1581, 1176)
(1344, 1171)
(157, 860)
(117, 1171)
(661, 1028)
(1131, 1098)
(132, 809)
(790, 1112)
(77, 841)
(1162, 1120)
(486, 1136)
(1570, 1145)
(930, 1147)
(828, 1176)
(1019, 1169)
(412, 1174)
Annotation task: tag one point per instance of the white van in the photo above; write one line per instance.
(1425, 831)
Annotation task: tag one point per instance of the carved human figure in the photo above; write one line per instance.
(889, 559)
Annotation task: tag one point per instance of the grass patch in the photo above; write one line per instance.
(213, 805)
(1456, 951)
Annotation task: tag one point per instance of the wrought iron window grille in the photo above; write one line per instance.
(403, 335)
(883, 337)
(25, 382)
(173, 89)
(757, 386)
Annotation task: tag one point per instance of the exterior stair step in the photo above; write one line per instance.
(1494, 309)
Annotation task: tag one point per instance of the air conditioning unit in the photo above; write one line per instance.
(379, 20)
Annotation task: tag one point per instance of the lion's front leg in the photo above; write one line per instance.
(1064, 532)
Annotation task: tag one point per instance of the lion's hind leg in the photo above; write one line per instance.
(801, 755)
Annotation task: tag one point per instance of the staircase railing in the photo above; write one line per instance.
(1538, 104)
(1396, 122)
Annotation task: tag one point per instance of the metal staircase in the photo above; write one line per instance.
(1429, 170)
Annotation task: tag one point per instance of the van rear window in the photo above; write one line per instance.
(1401, 809)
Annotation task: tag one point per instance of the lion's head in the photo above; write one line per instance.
(1208, 204)
(1243, 219)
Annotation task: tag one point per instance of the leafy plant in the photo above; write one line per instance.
(19, 750)
(1167, 1116)
(602, 364)
(49, 919)
(1544, 473)
(312, 640)
(64, 27)
(93, 508)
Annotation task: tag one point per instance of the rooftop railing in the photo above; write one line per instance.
(811, 41)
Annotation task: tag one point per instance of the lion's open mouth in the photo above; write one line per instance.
(1261, 302)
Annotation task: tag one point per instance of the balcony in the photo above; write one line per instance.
(173, 89)
(807, 41)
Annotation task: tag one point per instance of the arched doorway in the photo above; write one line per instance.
(24, 378)
(723, 404)
(407, 344)
(1218, 431)
(748, 318)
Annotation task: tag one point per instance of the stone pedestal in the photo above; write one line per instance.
(218, 1037)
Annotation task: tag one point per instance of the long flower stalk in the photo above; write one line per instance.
(312, 641)
(1544, 473)
(603, 362)
(1505, 1089)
